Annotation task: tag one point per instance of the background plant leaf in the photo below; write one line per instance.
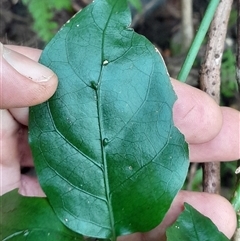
(193, 226)
(32, 219)
(136, 4)
(105, 148)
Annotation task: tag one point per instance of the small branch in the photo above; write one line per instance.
(211, 177)
(210, 71)
(187, 24)
(210, 80)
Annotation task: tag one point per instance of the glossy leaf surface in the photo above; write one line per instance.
(31, 219)
(193, 226)
(106, 151)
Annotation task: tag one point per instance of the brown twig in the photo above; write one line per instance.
(210, 81)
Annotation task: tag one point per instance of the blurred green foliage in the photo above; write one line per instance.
(43, 13)
(228, 74)
(136, 4)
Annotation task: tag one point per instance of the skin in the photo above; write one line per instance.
(212, 132)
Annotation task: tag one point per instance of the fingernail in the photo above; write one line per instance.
(26, 66)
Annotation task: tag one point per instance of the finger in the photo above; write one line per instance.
(9, 159)
(31, 53)
(225, 146)
(20, 115)
(29, 186)
(24, 82)
(215, 207)
(197, 116)
(15, 151)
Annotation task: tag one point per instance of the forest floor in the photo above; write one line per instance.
(161, 26)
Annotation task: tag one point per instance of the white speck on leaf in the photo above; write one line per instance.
(105, 62)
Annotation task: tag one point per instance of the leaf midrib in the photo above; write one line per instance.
(99, 114)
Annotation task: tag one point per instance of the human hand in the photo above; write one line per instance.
(212, 133)
(24, 82)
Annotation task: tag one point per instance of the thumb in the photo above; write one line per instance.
(23, 82)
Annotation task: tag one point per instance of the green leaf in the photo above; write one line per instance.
(105, 148)
(32, 219)
(193, 226)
